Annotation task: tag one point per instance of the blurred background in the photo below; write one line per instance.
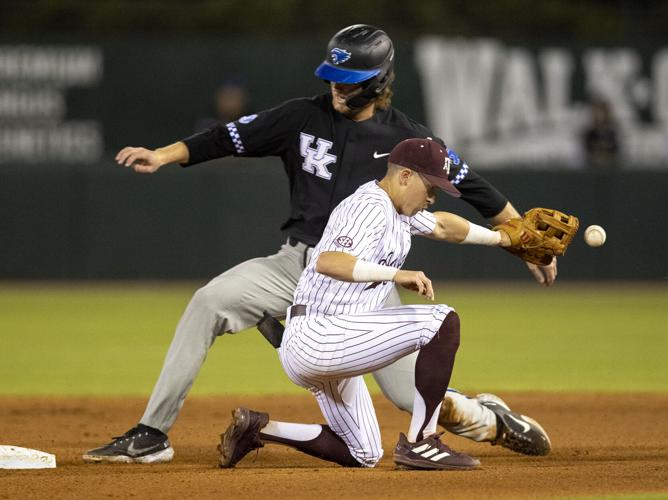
(558, 103)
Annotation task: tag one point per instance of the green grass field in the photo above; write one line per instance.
(111, 339)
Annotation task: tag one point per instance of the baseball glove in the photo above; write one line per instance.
(540, 235)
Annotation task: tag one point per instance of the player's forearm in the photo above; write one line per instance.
(450, 227)
(455, 229)
(508, 212)
(209, 144)
(337, 265)
(345, 267)
(174, 153)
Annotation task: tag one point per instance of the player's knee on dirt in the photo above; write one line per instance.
(367, 457)
(367, 450)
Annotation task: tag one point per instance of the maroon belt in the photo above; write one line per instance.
(297, 310)
(272, 329)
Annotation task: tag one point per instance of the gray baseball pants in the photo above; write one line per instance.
(233, 302)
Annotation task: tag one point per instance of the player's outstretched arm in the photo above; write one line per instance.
(545, 275)
(455, 229)
(147, 161)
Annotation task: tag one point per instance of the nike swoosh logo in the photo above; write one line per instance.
(133, 452)
(526, 427)
(376, 155)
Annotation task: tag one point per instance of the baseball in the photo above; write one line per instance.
(594, 236)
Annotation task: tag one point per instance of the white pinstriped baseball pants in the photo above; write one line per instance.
(329, 354)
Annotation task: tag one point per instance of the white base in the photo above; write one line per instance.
(15, 457)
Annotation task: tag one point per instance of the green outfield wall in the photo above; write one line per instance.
(106, 222)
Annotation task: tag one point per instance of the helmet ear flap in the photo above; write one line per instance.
(371, 90)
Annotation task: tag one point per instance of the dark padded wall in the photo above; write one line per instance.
(107, 222)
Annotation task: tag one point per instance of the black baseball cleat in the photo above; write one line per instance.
(141, 444)
(516, 432)
(431, 454)
(242, 436)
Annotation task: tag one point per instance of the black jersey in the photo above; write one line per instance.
(327, 156)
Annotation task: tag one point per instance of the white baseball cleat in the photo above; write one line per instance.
(516, 432)
(141, 444)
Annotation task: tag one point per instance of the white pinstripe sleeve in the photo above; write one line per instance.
(356, 227)
(422, 223)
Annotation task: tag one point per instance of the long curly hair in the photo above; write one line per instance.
(384, 101)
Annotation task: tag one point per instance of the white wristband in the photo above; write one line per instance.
(479, 235)
(368, 271)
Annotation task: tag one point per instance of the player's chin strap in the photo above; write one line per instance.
(360, 98)
(369, 91)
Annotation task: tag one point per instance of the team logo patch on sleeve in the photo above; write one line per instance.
(344, 241)
(247, 119)
(453, 156)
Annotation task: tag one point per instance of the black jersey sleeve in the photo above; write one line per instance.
(475, 189)
(262, 134)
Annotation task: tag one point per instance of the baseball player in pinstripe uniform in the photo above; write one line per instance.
(329, 145)
(338, 329)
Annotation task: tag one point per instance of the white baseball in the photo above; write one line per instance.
(594, 236)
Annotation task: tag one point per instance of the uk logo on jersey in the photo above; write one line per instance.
(316, 158)
(339, 55)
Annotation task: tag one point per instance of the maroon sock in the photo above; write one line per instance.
(327, 446)
(434, 366)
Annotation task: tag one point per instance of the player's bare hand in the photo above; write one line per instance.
(545, 275)
(142, 160)
(416, 281)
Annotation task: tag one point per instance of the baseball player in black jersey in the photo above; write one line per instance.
(329, 145)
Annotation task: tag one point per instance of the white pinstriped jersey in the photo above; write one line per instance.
(367, 226)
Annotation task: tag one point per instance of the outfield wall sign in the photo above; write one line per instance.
(504, 105)
(34, 84)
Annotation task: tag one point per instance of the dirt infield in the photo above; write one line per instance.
(602, 444)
